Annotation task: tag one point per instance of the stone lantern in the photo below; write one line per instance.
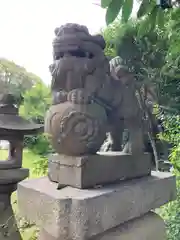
(12, 129)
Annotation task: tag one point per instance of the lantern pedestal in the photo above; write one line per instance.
(8, 184)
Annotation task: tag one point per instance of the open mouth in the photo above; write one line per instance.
(74, 53)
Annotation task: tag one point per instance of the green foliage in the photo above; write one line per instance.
(114, 7)
(172, 135)
(105, 3)
(113, 10)
(149, 23)
(148, 8)
(173, 30)
(146, 58)
(36, 102)
(14, 78)
(172, 128)
(154, 59)
(175, 157)
(153, 16)
(171, 214)
(171, 211)
(127, 10)
(144, 8)
(110, 36)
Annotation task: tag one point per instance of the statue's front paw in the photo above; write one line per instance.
(79, 96)
(59, 97)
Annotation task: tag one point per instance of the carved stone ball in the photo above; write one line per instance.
(76, 129)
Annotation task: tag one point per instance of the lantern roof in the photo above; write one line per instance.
(10, 119)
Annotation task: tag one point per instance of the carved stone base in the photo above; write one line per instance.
(77, 214)
(100, 169)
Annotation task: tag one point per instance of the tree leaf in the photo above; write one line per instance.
(145, 7)
(144, 27)
(175, 14)
(113, 10)
(127, 9)
(105, 3)
(176, 26)
(160, 18)
(153, 17)
(149, 23)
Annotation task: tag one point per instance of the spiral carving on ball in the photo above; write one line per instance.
(84, 127)
(74, 132)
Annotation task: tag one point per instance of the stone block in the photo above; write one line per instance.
(147, 227)
(72, 213)
(9, 176)
(103, 168)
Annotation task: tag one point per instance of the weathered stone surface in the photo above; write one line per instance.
(75, 130)
(8, 176)
(43, 235)
(81, 67)
(8, 184)
(147, 227)
(8, 225)
(89, 171)
(10, 230)
(12, 129)
(71, 213)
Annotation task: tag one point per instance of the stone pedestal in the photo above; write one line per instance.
(72, 213)
(147, 227)
(8, 184)
(8, 226)
(98, 169)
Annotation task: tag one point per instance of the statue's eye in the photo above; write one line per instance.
(91, 55)
(82, 54)
(78, 53)
(59, 55)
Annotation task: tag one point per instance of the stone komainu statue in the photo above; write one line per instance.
(88, 101)
(152, 126)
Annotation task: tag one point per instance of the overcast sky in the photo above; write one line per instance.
(27, 28)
